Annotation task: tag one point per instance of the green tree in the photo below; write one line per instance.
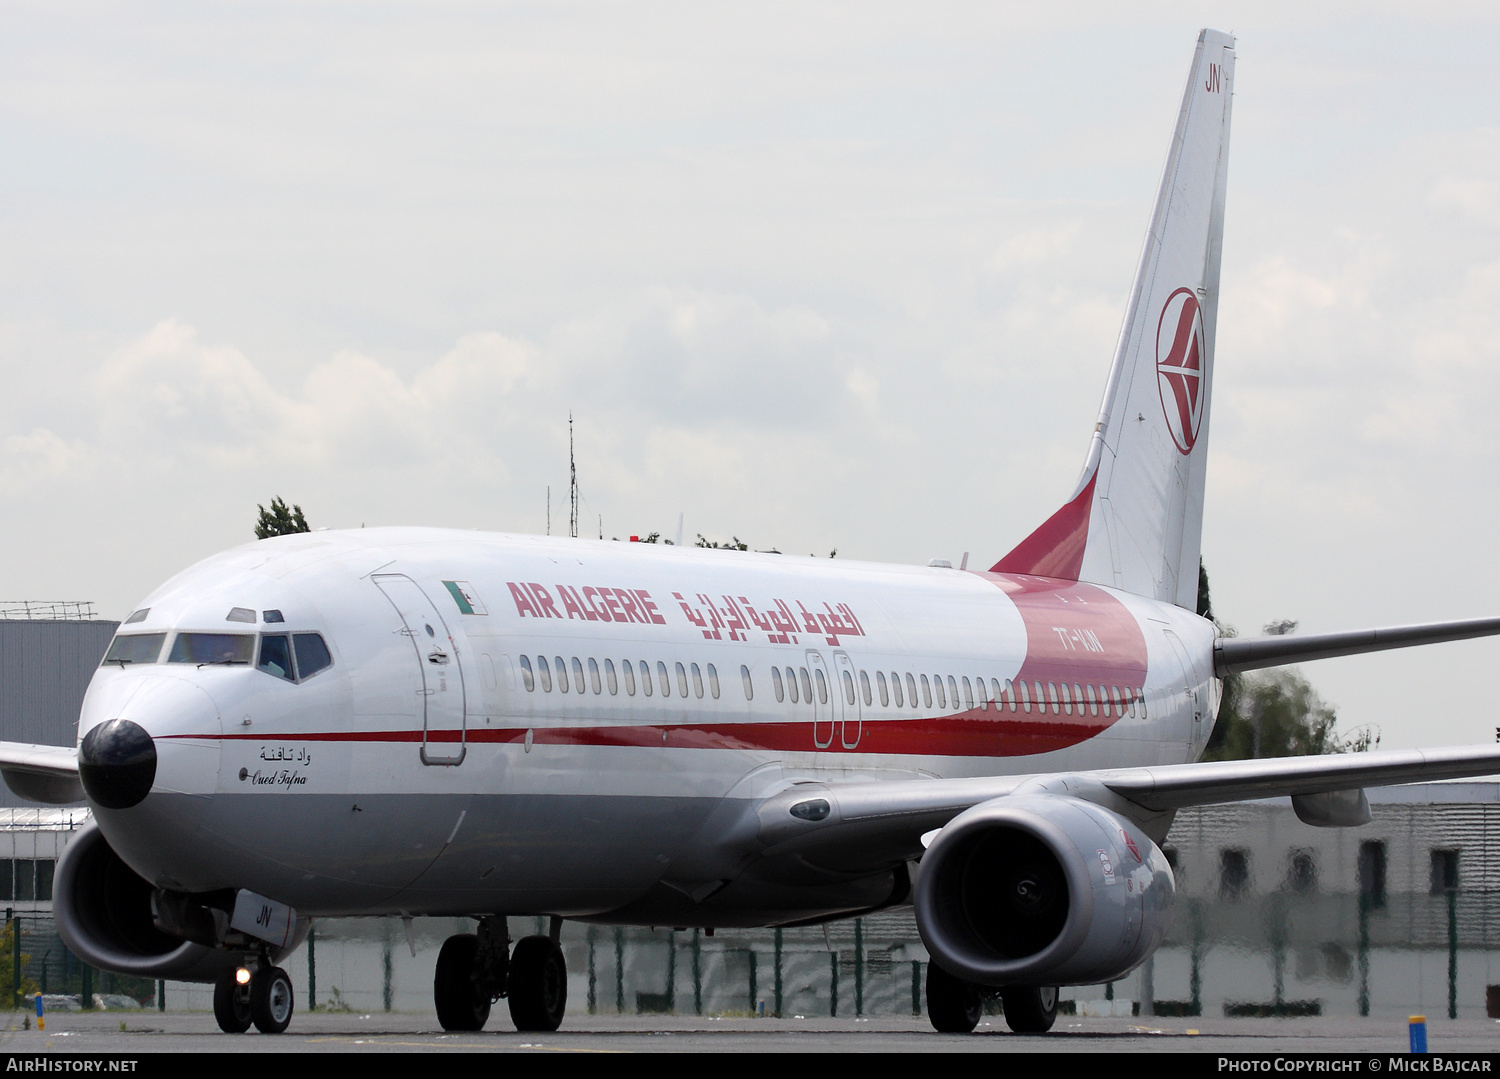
(279, 520)
(1277, 714)
(28, 986)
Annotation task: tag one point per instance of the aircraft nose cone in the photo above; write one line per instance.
(117, 764)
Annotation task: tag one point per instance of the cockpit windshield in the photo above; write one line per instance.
(205, 648)
(135, 648)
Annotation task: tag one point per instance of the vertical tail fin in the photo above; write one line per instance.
(1136, 517)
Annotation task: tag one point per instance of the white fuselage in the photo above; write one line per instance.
(450, 758)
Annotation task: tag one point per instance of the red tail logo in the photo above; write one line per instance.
(1179, 367)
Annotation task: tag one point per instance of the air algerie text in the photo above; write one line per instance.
(729, 618)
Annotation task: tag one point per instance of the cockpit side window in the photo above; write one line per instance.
(277, 650)
(202, 648)
(276, 656)
(135, 648)
(312, 654)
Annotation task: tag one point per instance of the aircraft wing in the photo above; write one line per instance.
(858, 825)
(41, 773)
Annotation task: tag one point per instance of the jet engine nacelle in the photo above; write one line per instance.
(1042, 889)
(104, 914)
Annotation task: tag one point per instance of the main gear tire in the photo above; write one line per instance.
(538, 985)
(953, 1005)
(1030, 1009)
(459, 1004)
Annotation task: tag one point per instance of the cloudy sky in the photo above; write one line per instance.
(815, 275)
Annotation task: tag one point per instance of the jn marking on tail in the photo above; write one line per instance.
(1179, 367)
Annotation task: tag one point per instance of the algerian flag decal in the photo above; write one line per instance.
(464, 595)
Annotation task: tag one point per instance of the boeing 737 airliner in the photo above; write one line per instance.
(404, 721)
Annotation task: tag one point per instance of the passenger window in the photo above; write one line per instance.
(864, 687)
(562, 674)
(1078, 697)
(594, 675)
(646, 678)
(822, 686)
(807, 687)
(546, 673)
(911, 689)
(681, 682)
(713, 682)
(969, 692)
(526, 676)
(276, 656)
(312, 654)
(791, 686)
(577, 675)
(776, 686)
(885, 699)
(665, 680)
(1052, 696)
(896, 689)
(1067, 701)
(937, 680)
(697, 681)
(849, 687)
(953, 692)
(609, 677)
(1025, 698)
(1140, 695)
(1114, 696)
(926, 693)
(1093, 701)
(627, 668)
(745, 683)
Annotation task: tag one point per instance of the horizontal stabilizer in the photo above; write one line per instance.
(1178, 786)
(1234, 654)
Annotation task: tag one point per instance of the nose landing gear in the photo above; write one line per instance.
(263, 997)
(475, 970)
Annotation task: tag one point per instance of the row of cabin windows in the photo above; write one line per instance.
(797, 684)
(609, 678)
(1302, 871)
(1012, 696)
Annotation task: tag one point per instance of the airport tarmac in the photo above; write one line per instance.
(321, 1032)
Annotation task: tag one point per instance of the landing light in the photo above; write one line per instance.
(242, 976)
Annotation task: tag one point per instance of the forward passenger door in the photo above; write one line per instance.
(439, 684)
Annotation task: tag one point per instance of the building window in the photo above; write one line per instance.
(1234, 873)
(1372, 872)
(1301, 873)
(26, 880)
(1444, 871)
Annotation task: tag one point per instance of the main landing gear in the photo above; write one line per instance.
(476, 969)
(262, 996)
(954, 1005)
